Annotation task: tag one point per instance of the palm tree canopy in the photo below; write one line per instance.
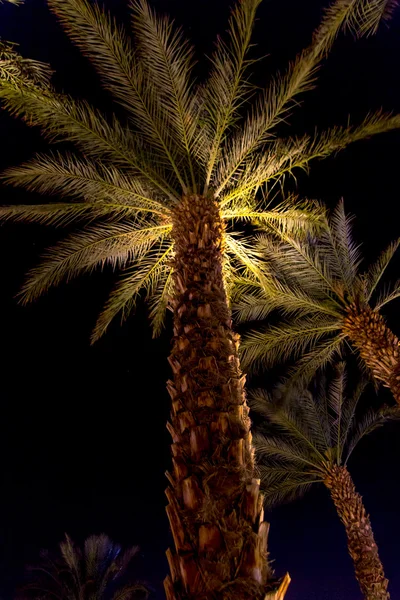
(97, 571)
(313, 281)
(124, 179)
(309, 432)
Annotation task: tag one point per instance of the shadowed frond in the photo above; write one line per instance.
(377, 270)
(276, 344)
(306, 432)
(100, 569)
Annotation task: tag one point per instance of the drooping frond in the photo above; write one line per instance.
(313, 361)
(96, 246)
(146, 276)
(168, 60)
(279, 343)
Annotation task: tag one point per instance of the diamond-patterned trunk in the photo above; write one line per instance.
(215, 508)
(377, 345)
(360, 538)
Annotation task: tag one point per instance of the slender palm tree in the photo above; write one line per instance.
(97, 571)
(308, 438)
(158, 195)
(328, 300)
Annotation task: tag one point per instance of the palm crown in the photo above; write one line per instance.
(315, 282)
(97, 571)
(308, 433)
(179, 137)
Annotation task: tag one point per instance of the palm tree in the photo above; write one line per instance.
(308, 438)
(97, 571)
(158, 195)
(318, 283)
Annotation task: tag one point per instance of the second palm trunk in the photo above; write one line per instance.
(360, 538)
(215, 507)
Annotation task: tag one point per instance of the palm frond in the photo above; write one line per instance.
(391, 293)
(227, 87)
(286, 487)
(371, 420)
(69, 176)
(325, 352)
(168, 59)
(95, 246)
(282, 448)
(146, 276)
(279, 343)
(297, 153)
(108, 47)
(15, 69)
(62, 118)
(362, 17)
(159, 302)
(376, 271)
(346, 250)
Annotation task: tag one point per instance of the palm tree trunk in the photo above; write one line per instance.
(215, 507)
(377, 345)
(360, 539)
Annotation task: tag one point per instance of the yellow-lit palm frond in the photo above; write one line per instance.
(312, 281)
(126, 177)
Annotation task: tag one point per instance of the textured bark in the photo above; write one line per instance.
(377, 345)
(215, 506)
(360, 538)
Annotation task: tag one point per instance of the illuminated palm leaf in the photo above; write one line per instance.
(179, 137)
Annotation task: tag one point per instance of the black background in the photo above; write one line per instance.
(83, 445)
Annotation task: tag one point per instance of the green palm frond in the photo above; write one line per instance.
(304, 432)
(275, 104)
(96, 246)
(168, 59)
(279, 343)
(377, 270)
(313, 361)
(227, 87)
(146, 276)
(391, 293)
(103, 187)
(179, 136)
(312, 281)
(99, 569)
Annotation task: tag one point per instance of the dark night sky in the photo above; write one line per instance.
(83, 444)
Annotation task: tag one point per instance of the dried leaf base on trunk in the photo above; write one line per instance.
(360, 538)
(215, 506)
(377, 345)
